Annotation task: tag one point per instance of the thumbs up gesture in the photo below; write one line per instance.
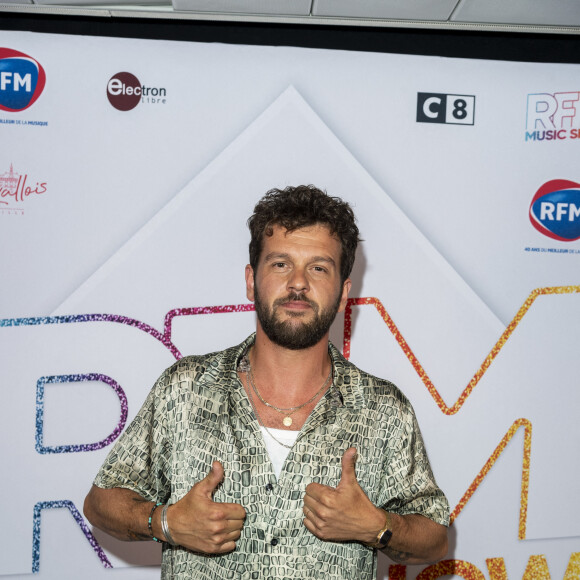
(344, 512)
(202, 525)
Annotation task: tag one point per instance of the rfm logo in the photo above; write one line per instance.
(450, 109)
(124, 92)
(555, 210)
(22, 80)
(552, 117)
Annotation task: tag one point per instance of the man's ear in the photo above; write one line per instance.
(250, 283)
(346, 286)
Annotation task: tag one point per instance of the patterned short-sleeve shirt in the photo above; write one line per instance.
(198, 412)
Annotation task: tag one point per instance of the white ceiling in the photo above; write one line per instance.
(521, 15)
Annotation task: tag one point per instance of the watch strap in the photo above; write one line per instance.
(384, 535)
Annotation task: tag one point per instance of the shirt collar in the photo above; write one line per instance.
(347, 379)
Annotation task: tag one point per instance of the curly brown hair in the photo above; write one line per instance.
(302, 206)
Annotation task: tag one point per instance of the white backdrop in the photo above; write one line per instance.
(131, 238)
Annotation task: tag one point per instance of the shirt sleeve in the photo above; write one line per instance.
(409, 479)
(140, 459)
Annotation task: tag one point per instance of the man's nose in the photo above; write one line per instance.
(298, 280)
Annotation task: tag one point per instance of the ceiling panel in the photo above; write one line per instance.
(285, 7)
(395, 9)
(547, 12)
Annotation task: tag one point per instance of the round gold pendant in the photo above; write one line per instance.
(287, 421)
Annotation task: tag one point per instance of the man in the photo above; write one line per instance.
(277, 458)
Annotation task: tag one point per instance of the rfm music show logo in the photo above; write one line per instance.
(449, 109)
(22, 80)
(555, 210)
(552, 117)
(125, 92)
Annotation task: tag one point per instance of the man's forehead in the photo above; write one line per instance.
(316, 241)
(318, 229)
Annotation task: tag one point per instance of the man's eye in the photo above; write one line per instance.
(319, 269)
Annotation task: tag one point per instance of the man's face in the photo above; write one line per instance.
(297, 290)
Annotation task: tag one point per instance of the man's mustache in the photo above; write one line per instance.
(296, 297)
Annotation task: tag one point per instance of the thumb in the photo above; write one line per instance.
(348, 476)
(209, 483)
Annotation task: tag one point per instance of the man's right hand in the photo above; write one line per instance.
(198, 523)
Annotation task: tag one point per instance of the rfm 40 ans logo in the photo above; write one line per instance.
(555, 210)
(22, 80)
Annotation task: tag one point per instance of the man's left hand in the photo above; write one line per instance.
(344, 512)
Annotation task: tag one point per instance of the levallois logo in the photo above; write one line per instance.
(22, 80)
(555, 210)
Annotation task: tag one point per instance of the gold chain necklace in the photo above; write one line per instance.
(287, 411)
(262, 424)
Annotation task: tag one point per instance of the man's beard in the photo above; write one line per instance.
(287, 333)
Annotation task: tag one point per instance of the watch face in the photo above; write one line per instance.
(384, 539)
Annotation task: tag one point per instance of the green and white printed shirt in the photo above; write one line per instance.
(198, 412)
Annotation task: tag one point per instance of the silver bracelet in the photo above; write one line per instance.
(165, 526)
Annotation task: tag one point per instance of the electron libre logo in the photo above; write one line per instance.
(125, 92)
(555, 210)
(553, 117)
(22, 80)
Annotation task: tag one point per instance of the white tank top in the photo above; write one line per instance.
(277, 452)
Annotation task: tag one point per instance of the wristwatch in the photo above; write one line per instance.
(384, 536)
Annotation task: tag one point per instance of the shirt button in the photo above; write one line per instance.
(274, 541)
(269, 487)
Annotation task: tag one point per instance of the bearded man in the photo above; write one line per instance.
(277, 458)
